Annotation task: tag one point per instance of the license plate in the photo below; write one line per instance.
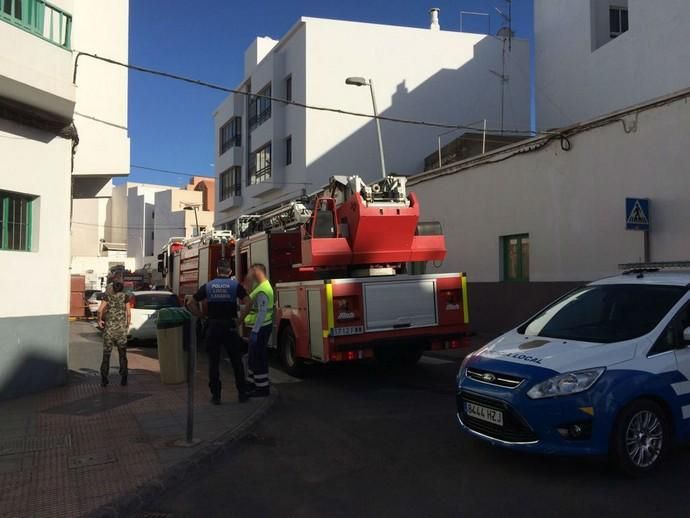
(485, 414)
(347, 331)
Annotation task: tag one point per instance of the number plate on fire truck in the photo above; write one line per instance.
(347, 331)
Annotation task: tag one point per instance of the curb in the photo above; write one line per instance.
(144, 494)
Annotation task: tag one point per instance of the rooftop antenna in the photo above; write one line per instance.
(506, 34)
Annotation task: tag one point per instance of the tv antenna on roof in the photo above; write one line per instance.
(506, 34)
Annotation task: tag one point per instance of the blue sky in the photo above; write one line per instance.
(171, 123)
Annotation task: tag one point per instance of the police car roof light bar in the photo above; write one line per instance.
(652, 267)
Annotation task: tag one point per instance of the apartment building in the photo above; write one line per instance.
(594, 57)
(58, 141)
(267, 152)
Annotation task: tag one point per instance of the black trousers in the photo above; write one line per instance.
(223, 335)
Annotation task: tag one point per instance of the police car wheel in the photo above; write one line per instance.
(641, 437)
(286, 349)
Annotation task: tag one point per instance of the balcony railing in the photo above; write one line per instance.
(40, 19)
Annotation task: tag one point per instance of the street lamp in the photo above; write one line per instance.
(360, 81)
(194, 207)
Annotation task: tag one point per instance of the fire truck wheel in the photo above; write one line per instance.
(287, 345)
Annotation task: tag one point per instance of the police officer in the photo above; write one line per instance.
(222, 295)
(260, 321)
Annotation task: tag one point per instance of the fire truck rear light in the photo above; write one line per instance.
(454, 344)
(351, 355)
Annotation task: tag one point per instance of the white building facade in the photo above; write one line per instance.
(104, 148)
(593, 57)
(540, 217)
(58, 140)
(268, 152)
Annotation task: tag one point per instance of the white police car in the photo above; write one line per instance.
(603, 370)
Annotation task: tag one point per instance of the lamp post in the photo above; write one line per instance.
(196, 216)
(360, 81)
(191, 363)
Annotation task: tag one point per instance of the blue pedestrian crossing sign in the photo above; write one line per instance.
(637, 213)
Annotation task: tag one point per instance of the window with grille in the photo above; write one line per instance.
(618, 21)
(230, 134)
(15, 221)
(230, 183)
(288, 88)
(260, 165)
(260, 107)
(288, 150)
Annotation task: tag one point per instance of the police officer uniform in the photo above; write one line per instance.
(221, 295)
(260, 320)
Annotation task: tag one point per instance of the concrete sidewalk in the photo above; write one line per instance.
(74, 449)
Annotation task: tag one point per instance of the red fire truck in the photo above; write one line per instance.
(189, 263)
(342, 272)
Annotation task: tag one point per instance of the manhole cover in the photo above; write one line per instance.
(96, 404)
(34, 444)
(93, 459)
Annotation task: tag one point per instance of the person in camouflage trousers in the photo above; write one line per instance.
(114, 317)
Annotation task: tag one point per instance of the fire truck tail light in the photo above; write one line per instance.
(349, 356)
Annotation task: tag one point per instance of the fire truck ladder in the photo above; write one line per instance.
(286, 217)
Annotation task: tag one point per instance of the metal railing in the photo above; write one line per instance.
(40, 19)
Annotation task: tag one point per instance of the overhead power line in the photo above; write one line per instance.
(288, 102)
(168, 171)
(198, 175)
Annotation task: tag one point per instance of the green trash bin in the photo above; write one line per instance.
(172, 333)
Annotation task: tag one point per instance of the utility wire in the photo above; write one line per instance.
(181, 173)
(122, 227)
(221, 88)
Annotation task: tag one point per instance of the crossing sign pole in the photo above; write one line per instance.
(637, 217)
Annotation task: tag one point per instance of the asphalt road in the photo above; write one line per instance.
(361, 442)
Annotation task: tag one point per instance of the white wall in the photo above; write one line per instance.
(572, 204)
(101, 113)
(35, 72)
(575, 83)
(90, 219)
(440, 76)
(116, 229)
(36, 163)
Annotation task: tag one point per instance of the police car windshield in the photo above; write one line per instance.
(605, 313)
